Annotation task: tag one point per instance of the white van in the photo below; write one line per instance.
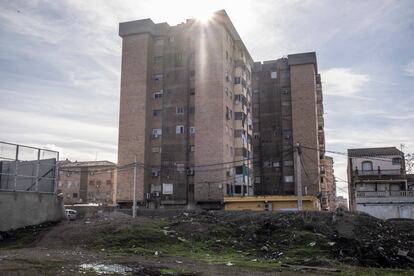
(71, 214)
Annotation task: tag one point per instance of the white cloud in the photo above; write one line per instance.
(343, 82)
(409, 69)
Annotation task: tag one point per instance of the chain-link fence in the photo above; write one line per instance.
(30, 169)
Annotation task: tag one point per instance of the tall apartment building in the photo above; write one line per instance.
(185, 112)
(328, 185)
(287, 109)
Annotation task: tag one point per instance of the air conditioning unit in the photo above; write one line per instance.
(190, 171)
(154, 135)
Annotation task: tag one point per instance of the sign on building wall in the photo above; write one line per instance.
(167, 188)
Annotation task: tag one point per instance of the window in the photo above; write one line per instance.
(237, 189)
(159, 42)
(192, 74)
(180, 167)
(155, 172)
(367, 166)
(236, 80)
(167, 188)
(288, 163)
(227, 55)
(239, 116)
(192, 91)
(157, 59)
(109, 182)
(273, 75)
(156, 113)
(396, 161)
(275, 164)
(158, 94)
(192, 148)
(75, 195)
(239, 170)
(192, 130)
(178, 59)
(157, 77)
(179, 110)
(288, 178)
(179, 129)
(156, 132)
(156, 149)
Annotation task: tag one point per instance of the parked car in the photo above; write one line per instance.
(71, 214)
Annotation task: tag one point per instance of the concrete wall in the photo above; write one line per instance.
(20, 209)
(387, 211)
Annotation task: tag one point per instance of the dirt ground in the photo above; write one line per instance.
(212, 243)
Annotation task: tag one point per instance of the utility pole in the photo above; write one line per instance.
(134, 198)
(298, 176)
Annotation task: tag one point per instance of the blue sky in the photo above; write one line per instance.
(60, 66)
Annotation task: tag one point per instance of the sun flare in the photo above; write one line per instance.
(203, 16)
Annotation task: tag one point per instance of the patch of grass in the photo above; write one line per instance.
(175, 271)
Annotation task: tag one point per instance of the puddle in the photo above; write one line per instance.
(102, 269)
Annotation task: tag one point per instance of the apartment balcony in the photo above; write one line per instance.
(382, 194)
(379, 174)
(240, 63)
(383, 204)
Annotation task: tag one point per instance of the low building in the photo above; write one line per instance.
(341, 203)
(378, 183)
(87, 182)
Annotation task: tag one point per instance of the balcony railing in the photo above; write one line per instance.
(378, 172)
(385, 194)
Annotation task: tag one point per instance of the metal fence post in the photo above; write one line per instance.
(37, 170)
(16, 167)
(56, 174)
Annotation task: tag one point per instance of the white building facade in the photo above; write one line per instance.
(378, 183)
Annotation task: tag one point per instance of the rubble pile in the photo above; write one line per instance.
(306, 238)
